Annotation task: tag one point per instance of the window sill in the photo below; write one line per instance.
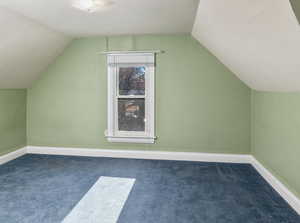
(145, 140)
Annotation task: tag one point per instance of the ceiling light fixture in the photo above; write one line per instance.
(92, 5)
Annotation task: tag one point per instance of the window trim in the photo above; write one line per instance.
(114, 61)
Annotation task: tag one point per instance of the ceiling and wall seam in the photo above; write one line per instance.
(26, 49)
(36, 32)
(258, 43)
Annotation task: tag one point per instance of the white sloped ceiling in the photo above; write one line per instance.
(26, 49)
(259, 40)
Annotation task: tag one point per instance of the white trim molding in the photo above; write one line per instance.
(115, 63)
(284, 192)
(139, 154)
(131, 52)
(12, 155)
(149, 140)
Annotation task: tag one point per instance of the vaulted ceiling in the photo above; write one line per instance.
(26, 49)
(259, 40)
(34, 33)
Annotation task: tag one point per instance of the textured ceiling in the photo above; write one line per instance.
(259, 40)
(26, 49)
(124, 17)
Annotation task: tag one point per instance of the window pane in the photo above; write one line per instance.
(131, 114)
(132, 80)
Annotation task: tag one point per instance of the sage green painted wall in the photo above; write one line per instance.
(200, 105)
(12, 120)
(296, 7)
(276, 135)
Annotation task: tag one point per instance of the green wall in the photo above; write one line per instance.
(12, 120)
(296, 6)
(201, 105)
(276, 135)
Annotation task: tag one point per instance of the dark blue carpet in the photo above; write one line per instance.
(44, 189)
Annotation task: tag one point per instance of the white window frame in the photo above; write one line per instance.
(129, 59)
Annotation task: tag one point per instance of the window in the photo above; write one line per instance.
(131, 97)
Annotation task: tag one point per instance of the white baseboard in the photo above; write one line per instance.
(13, 155)
(292, 199)
(139, 154)
(288, 196)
